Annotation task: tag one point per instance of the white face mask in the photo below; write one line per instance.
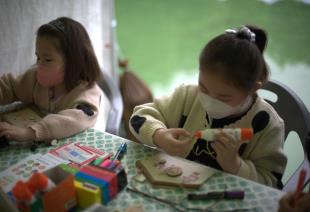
(217, 109)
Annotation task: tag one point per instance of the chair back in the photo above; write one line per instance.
(296, 118)
(110, 87)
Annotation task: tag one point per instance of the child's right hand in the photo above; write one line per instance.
(174, 141)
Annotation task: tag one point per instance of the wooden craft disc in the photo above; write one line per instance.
(159, 161)
(174, 171)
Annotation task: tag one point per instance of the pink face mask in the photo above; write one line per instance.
(49, 77)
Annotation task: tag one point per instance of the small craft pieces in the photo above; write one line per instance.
(165, 170)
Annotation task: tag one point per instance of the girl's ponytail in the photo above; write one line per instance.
(260, 37)
(261, 43)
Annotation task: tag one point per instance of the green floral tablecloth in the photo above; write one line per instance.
(257, 197)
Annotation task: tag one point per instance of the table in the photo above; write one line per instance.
(257, 196)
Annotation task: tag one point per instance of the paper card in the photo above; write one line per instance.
(76, 153)
(23, 169)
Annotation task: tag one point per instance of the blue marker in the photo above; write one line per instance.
(120, 152)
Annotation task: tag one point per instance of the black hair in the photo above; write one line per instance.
(237, 56)
(72, 40)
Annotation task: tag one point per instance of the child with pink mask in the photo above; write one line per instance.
(231, 69)
(62, 84)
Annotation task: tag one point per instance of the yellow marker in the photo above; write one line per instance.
(87, 194)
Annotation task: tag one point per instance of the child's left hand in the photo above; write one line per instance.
(15, 133)
(227, 154)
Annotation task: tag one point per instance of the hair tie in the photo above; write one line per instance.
(231, 31)
(58, 25)
(243, 33)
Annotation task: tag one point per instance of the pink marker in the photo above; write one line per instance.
(106, 163)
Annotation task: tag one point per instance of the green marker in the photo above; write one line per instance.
(99, 160)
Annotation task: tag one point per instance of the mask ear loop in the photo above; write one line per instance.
(211, 121)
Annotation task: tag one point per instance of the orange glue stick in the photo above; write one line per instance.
(239, 134)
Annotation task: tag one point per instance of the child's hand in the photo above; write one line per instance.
(175, 141)
(303, 203)
(227, 155)
(15, 133)
(287, 204)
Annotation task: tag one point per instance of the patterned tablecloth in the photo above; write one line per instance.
(257, 197)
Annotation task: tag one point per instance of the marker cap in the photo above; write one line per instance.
(246, 133)
(198, 134)
(237, 194)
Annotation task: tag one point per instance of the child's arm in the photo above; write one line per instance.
(64, 124)
(53, 126)
(163, 113)
(80, 113)
(267, 161)
(18, 88)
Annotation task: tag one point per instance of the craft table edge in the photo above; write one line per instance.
(258, 197)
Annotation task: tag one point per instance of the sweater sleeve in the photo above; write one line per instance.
(164, 112)
(268, 160)
(80, 114)
(18, 88)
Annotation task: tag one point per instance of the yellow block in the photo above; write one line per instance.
(87, 194)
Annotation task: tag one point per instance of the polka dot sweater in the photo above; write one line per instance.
(263, 159)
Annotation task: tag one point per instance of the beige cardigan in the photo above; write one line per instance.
(63, 119)
(263, 155)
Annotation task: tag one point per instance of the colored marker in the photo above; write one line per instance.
(116, 159)
(120, 152)
(234, 194)
(300, 184)
(113, 164)
(106, 163)
(99, 160)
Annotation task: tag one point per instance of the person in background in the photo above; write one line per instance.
(231, 69)
(62, 84)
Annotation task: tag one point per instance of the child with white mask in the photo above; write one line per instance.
(62, 84)
(231, 69)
